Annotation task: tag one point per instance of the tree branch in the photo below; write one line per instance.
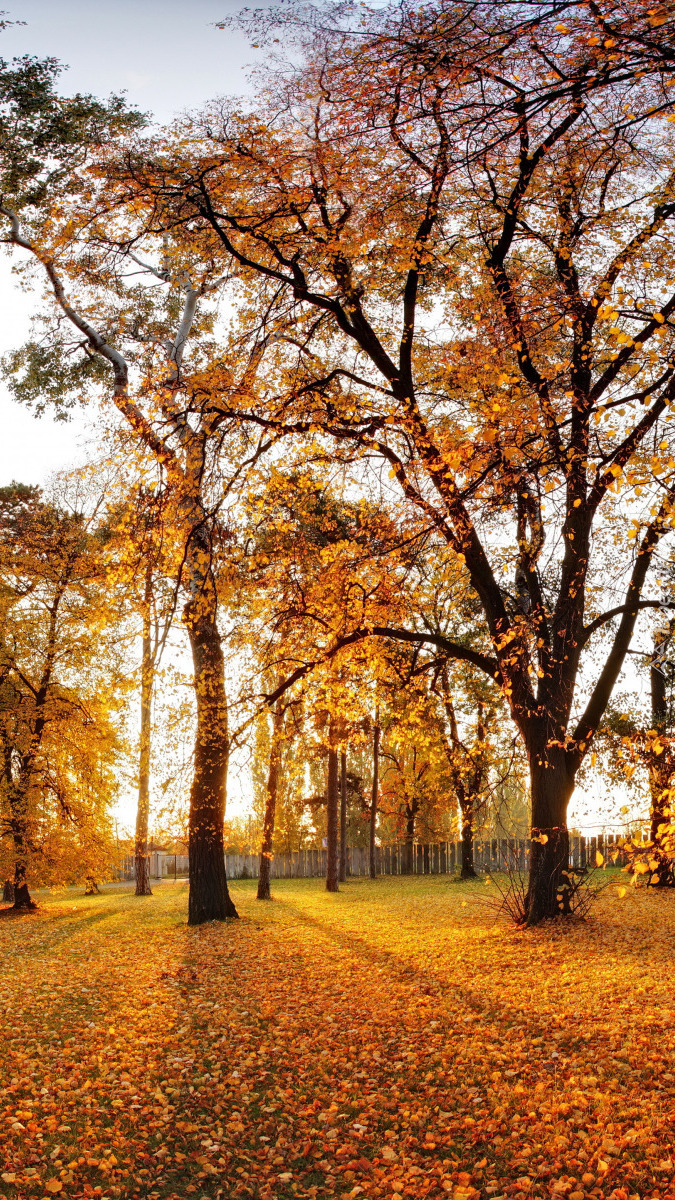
(453, 650)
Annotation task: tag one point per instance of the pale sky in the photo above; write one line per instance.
(167, 56)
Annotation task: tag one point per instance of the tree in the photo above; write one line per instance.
(269, 816)
(342, 873)
(417, 800)
(144, 557)
(469, 761)
(374, 795)
(60, 682)
(637, 739)
(45, 136)
(513, 175)
(332, 810)
(141, 865)
(661, 765)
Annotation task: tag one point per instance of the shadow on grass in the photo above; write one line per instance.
(17, 913)
(401, 969)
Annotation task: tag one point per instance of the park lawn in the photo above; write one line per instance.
(395, 1039)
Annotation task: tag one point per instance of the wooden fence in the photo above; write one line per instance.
(422, 858)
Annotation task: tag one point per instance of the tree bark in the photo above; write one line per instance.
(343, 816)
(18, 807)
(8, 892)
(410, 814)
(209, 896)
(22, 898)
(270, 805)
(466, 810)
(332, 838)
(552, 784)
(374, 794)
(660, 774)
(143, 810)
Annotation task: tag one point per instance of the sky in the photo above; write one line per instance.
(167, 56)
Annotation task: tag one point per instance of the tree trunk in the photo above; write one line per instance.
(409, 839)
(343, 816)
(8, 892)
(22, 897)
(209, 898)
(332, 839)
(18, 806)
(466, 808)
(374, 795)
(660, 772)
(270, 805)
(552, 784)
(142, 873)
(143, 810)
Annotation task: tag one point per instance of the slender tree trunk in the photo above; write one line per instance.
(332, 837)
(660, 772)
(658, 781)
(552, 784)
(21, 793)
(209, 897)
(270, 805)
(466, 810)
(141, 861)
(8, 886)
(343, 816)
(374, 794)
(409, 839)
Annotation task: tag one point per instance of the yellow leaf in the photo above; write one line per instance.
(621, 892)
(53, 1186)
(599, 858)
(8, 1177)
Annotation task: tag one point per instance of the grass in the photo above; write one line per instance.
(394, 1040)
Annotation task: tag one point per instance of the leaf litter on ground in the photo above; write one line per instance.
(393, 1040)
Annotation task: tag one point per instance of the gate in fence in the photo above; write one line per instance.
(420, 858)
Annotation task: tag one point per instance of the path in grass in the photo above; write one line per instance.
(390, 1040)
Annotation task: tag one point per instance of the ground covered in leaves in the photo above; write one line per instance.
(391, 1041)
